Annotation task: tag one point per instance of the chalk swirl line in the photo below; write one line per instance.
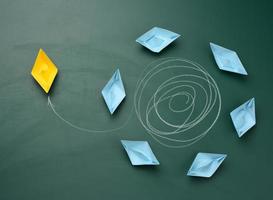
(164, 81)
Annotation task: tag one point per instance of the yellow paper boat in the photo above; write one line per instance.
(44, 71)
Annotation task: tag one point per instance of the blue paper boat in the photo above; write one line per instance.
(205, 164)
(139, 152)
(157, 39)
(244, 117)
(227, 60)
(113, 92)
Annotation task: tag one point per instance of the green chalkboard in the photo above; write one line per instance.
(45, 157)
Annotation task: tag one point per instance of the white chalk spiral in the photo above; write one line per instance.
(177, 102)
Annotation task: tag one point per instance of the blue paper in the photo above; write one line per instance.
(113, 92)
(205, 164)
(244, 117)
(157, 39)
(227, 60)
(139, 152)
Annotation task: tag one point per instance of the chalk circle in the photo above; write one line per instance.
(76, 97)
(177, 102)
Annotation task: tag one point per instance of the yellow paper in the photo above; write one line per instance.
(44, 71)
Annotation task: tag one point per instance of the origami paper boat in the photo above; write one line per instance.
(139, 152)
(114, 92)
(44, 71)
(157, 39)
(205, 164)
(244, 117)
(227, 60)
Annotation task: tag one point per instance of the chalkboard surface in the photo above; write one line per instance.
(75, 152)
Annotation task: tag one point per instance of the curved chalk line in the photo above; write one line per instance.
(86, 129)
(166, 91)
